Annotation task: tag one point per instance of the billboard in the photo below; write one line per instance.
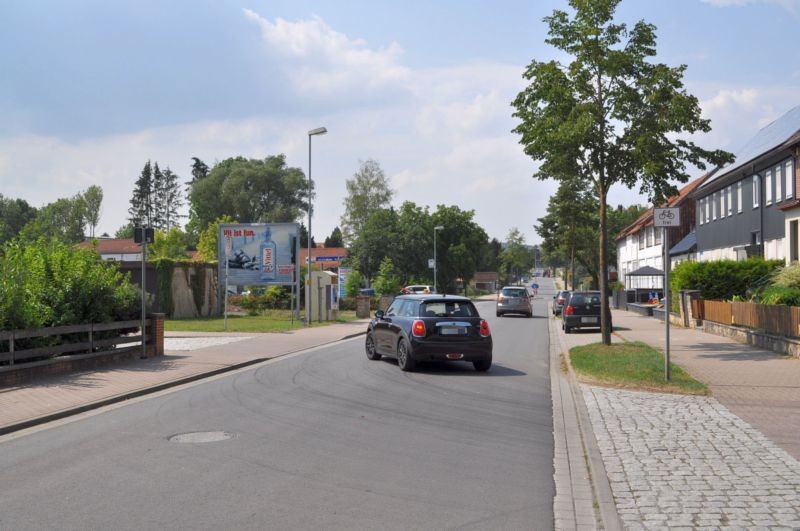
(258, 253)
(344, 272)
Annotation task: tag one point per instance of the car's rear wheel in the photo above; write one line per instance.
(482, 365)
(567, 329)
(499, 314)
(404, 359)
(370, 348)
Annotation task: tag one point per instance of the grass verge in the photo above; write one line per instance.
(631, 365)
(270, 321)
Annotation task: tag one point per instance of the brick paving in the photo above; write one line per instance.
(687, 461)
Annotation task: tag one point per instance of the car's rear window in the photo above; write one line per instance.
(580, 298)
(515, 292)
(448, 309)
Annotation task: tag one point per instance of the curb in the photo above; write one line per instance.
(590, 468)
(44, 419)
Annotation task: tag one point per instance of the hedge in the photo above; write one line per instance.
(724, 279)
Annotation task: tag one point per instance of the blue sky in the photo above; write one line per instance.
(93, 89)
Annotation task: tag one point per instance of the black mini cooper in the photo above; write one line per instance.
(430, 327)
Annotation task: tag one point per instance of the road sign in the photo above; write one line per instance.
(667, 217)
(431, 263)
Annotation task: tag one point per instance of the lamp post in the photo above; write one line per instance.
(435, 230)
(313, 132)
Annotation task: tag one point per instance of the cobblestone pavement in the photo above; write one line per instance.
(688, 462)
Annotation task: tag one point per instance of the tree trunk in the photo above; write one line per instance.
(605, 311)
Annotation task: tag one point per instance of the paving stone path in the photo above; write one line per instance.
(688, 462)
(194, 343)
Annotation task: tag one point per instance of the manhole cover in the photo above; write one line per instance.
(202, 437)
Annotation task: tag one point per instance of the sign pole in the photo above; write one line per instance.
(667, 299)
(666, 218)
(144, 295)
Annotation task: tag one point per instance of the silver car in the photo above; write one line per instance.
(514, 299)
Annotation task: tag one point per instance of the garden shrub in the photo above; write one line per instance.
(788, 277)
(723, 279)
(50, 283)
(780, 295)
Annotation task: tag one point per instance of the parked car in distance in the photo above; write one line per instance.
(430, 327)
(581, 310)
(558, 301)
(514, 299)
(418, 288)
(367, 291)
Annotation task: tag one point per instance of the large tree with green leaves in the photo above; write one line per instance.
(460, 246)
(250, 191)
(14, 215)
(367, 192)
(93, 199)
(611, 115)
(141, 212)
(516, 259)
(63, 219)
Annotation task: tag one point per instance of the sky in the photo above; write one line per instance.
(93, 89)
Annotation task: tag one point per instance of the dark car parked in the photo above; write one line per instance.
(558, 301)
(430, 327)
(581, 310)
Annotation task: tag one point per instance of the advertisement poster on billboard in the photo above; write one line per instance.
(258, 253)
(344, 272)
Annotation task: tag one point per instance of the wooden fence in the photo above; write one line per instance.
(87, 342)
(773, 319)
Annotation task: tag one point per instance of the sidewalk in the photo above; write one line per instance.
(686, 461)
(189, 356)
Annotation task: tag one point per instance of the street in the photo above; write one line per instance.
(321, 440)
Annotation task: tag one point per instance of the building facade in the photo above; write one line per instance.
(748, 207)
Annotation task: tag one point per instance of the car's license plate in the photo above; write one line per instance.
(453, 330)
(588, 319)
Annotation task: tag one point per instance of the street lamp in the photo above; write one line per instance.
(435, 229)
(313, 132)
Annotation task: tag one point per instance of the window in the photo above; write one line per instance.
(756, 191)
(730, 200)
(658, 235)
(649, 231)
(701, 212)
(641, 239)
(739, 196)
(788, 175)
(708, 208)
(714, 206)
(723, 203)
(768, 187)
(778, 184)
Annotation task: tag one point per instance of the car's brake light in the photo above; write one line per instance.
(485, 332)
(569, 310)
(418, 328)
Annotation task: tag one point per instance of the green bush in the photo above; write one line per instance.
(272, 298)
(49, 283)
(780, 295)
(788, 277)
(724, 279)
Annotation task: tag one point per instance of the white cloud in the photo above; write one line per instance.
(792, 6)
(321, 61)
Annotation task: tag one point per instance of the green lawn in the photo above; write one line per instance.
(631, 365)
(271, 321)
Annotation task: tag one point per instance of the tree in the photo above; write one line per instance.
(387, 282)
(249, 191)
(353, 284)
(459, 246)
(335, 239)
(64, 219)
(199, 172)
(610, 116)
(207, 249)
(168, 244)
(376, 240)
(141, 212)
(14, 215)
(125, 232)
(516, 259)
(367, 192)
(169, 200)
(414, 244)
(93, 198)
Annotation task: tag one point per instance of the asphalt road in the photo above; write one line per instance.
(322, 440)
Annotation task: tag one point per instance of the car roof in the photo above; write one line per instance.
(433, 297)
(513, 287)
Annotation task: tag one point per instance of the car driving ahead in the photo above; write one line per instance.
(514, 299)
(430, 327)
